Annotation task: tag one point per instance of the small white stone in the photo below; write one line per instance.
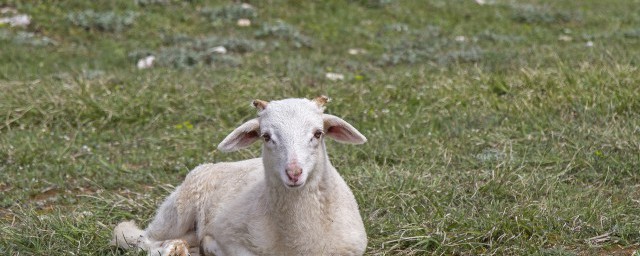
(334, 76)
(246, 6)
(4, 10)
(244, 22)
(219, 49)
(21, 20)
(146, 62)
(461, 39)
(487, 2)
(356, 51)
(565, 38)
(589, 44)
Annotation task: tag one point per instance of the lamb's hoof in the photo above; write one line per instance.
(175, 248)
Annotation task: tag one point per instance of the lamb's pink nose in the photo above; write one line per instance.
(293, 172)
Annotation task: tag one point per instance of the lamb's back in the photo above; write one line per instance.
(208, 186)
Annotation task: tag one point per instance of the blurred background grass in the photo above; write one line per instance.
(502, 128)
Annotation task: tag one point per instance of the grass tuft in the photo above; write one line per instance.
(283, 31)
(103, 21)
(26, 38)
(533, 14)
(230, 13)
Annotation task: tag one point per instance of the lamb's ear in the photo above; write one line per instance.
(341, 131)
(241, 137)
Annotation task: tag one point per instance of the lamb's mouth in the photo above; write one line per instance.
(294, 185)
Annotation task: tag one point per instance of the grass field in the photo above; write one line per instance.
(507, 128)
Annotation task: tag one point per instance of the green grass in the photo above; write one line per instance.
(517, 140)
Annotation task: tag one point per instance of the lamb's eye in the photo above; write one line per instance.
(318, 134)
(266, 137)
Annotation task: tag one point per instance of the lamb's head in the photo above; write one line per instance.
(293, 131)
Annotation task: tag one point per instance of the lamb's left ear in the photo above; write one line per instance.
(341, 131)
(241, 137)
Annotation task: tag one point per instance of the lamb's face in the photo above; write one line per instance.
(292, 131)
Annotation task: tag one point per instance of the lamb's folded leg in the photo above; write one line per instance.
(170, 224)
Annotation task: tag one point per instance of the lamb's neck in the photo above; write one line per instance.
(311, 202)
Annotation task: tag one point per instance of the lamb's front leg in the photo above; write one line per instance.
(208, 246)
(211, 247)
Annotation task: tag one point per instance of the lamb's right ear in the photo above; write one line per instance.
(241, 137)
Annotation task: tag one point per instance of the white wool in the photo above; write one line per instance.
(292, 201)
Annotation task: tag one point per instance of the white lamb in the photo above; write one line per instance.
(292, 201)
